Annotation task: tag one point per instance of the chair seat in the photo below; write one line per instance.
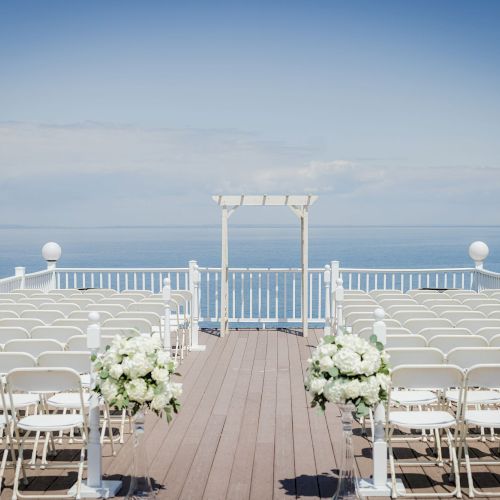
(410, 398)
(422, 419)
(69, 400)
(474, 397)
(47, 423)
(22, 400)
(486, 418)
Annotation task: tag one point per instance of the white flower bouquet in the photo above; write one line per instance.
(134, 373)
(348, 369)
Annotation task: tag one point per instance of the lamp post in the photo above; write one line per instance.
(51, 252)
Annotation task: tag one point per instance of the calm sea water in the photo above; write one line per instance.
(277, 246)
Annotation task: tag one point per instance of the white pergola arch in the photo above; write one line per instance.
(299, 204)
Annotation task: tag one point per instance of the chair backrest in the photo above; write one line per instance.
(103, 315)
(66, 292)
(50, 297)
(93, 296)
(60, 333)
(82, 324)
(495, 341)
(346, 292)
(476, 324)
(421, 297)
(153, 318)
(8, 314)
(113, 309)
(415, 356)
(456, 316)
(48, 317)
(141, 325)
(156, 307)
(363, 308)
(439, 377)
(27, 323)
(481, 302)
(403, 315)
(12, 333)
(79, 343)
(417, 325)
(17, 307)
(11, 360)
(490, 291)
(32, 346)
(80, 302)
(36, 303)
(406, 341)
(105, 292)
(429, 333)
(494, 315)
(446, 343)
(483, 376)
(44, 380)
(66, 308)
(122, 301)
(469, 295)
(77, 360)
(460, 292)
(407, 307)
(7, 301)
(385, 293)
(440, 309)
(401, 302)
(27, 292)
(488, 332)
(112, 331)
(358, 300)
(440, 302)
(367, 322)
(465, 357)
(12, 296)
(133, 294)
(420, 291)
(487, 308)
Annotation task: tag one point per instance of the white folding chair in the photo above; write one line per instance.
(103, 315)
(495, 341)
(146, 306)
(133, 294)
(367, 322)
(407, 307)
(429, 333)
(12, 333)
(6, 433)
(494, 315)
(12, 296)
(93, 296)
(405, 341)
(79, 342)
(32, 346)
(65, 292)
(112, 309)
(66, 308)
(153, 318)
(445, 343)
(17, 307)
(378, 294)
(80, 302)
(60, 333)
(440, 309)
(431, 301)
(44, 381)
(419, 324)
(26, 323)
(105, 292)
(488, 332)
(404, 315)
(491, 292)
(48, 317)
(53, 297)
(481, 302)
(439, 378)
(27, 292)
(34, 302)
(122, 301)
(80, 323)
(400, 302)
(486, 377)
(8, 314)
(143, 326)
(460, 292)
(487, 309)
(476, 324)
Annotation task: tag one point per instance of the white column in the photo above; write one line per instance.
(167, 295)
(334, 266)
(326, 281)
(378, 485)
(20, 272)
(339, 306)
(224, 274)
(304, 225)
(51, 252)
(194, 286)
(94, 486)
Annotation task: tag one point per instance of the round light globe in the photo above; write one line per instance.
(478, 251)
(379, 314)
(94, 317)
(51, 252)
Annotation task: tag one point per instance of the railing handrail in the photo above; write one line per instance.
(120, 269)
(407, 270)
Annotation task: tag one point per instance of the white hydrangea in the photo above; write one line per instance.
(334, 391)
(137, 390)
(176, 389)
(116, 371)
(325, 363)
(347, 361)
(160, 375)
(316, 385)
(352, 389)
(109, 389)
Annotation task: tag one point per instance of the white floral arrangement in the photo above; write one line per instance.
(348, 369)
(136, 372)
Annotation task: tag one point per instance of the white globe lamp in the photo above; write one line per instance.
(51, 252)
(478, 251)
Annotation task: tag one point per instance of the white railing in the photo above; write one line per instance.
(486, 279)
(122, 278)
(10, 283)
(41, 280)
(261, 295)
(407, 279)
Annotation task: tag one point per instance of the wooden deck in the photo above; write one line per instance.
(246, 431)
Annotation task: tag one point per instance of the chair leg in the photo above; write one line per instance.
(3, 465)
(454, 463)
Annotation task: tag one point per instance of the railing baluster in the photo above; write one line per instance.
(242, 314)
(250, 277)
(260, 296)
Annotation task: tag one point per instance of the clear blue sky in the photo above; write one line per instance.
(116, 112)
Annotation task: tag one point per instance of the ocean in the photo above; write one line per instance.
(249, 246)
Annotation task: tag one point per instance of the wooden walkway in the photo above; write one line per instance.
(246, 431)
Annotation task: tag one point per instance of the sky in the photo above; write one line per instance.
(134, 113)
